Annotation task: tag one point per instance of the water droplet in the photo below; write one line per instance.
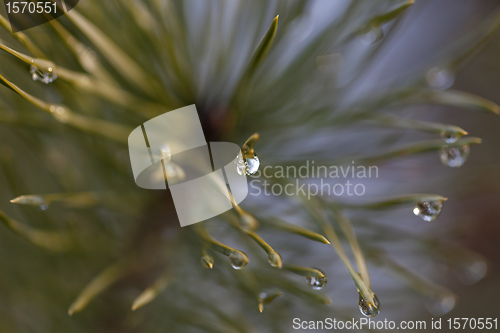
(472, 272)
(238, 260)
(275, 260)
(44, 207)
(368, 309)
(428, 210)
(441, 306)
(207, 261)
(371, 34)
(450, 137)
(317, 283)
(454, 157)
(439, 78)
(248, 165)
(42, 76)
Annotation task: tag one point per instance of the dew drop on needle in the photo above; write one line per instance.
(428, 210)
(43, 76)
(368, 309)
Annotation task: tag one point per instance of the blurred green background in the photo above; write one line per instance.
(337, 83)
